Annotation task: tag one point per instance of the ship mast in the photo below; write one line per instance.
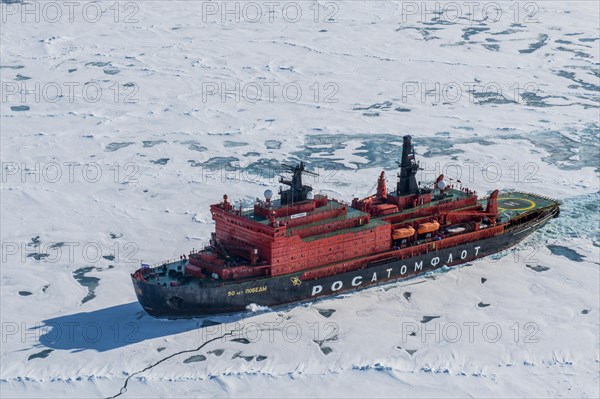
(407, 182)
(297, 191)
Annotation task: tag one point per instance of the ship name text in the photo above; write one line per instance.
(394, 271)
(252, 290)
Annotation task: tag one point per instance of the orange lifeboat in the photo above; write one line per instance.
(405, 232)
(428, 227)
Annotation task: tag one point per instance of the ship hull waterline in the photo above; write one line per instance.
(198, 300)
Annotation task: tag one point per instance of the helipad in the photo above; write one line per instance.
(515, 204)
(512, 204)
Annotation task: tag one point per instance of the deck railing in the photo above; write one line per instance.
(169, 261)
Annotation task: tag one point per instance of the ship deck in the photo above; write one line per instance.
(249, 214)
(372, 223)
(510, 205)
(331, 204)
(158, 277)
(514, 204)
(164, 278)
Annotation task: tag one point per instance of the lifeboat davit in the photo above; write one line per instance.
(428, 227)
(405, 232)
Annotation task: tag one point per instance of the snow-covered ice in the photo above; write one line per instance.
(119, 129)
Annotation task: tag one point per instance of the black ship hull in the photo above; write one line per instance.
(228, 297)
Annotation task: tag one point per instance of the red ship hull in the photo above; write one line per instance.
(217, 298)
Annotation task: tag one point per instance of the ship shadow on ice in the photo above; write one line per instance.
(120, 326)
